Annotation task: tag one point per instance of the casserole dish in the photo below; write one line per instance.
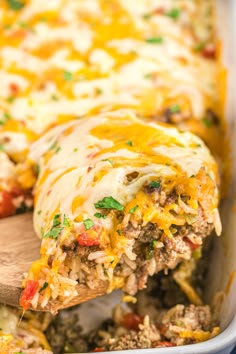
(222, 271)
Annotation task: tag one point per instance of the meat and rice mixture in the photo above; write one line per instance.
(163, 316)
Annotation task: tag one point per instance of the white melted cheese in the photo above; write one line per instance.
(104, 50)
(75, 168)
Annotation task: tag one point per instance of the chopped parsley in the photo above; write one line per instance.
(108, 160)
(192, 176)
(100, 216)
(57, 149)
(199, 145)
(15, 5)
(119, 232)
(147, 16)
(54, 232)
(149, 251)
(168, 164)
(66, 221)
(56, 228)
(109, 203)
(75, 149)
(174, 13)
(45, 285)
(132, 210)
(155, 184)
(67, 75)
(148, 76)
(88, 223)
(22, 24)
(199, 46)
(43, 19)
(154, 40)
(36, 169)
(6, 116)
(39, 212)
(98, 91)
(7, 27)
(2, 148)
(175, 108)
(130, 143)
(55, 97)
(56, 220)
(10, 99)
(207, 122)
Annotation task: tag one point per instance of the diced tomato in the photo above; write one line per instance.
(159, 11)
(209, 51)
(7, 207)
(16, 191)
(97, 350)
(132, 321)
(162, 328)
(90, 237)
(28, 293)
(192, 245)
(164, 344)
(14, 88)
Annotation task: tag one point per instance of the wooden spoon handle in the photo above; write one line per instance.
(19, 247)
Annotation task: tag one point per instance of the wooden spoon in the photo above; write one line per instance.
(19, 247)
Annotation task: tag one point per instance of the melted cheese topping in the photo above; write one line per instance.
(63, 59)
(85, 160)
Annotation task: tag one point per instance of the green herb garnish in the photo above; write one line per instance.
(67, 75)
(98, 91)
(132, 210)
(57, 149)
(155, 184)
(148, 76)
(108, 160)
(207, 122)
(53, 233)
(154, 40)
(10, 99)
(199, 47)
(39, 212)
(2, 148)
(109, 203)
(149, 251)
(147, 16)
(56, 220)
(66, 221)
(45, 285)
(119, 232)
(75, 149)
(55, 97)
(36, 169)
(130, 143)
(100, 216)
(174, 13)
(175, 108)
(15, 4)
(56, 228)
(88, 223)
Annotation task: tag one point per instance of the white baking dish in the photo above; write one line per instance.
(223, 259)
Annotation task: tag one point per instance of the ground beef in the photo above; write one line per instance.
(64, 334)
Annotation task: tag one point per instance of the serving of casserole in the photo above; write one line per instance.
(112, 129)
